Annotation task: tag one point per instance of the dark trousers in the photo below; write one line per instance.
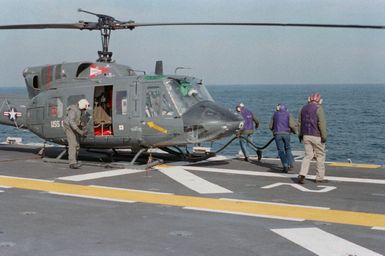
(284, 150)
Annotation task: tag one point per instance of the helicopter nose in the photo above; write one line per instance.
(207, 121)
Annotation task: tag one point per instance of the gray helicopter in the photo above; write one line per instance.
(128, 110)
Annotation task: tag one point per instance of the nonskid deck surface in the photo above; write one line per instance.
(223, 206)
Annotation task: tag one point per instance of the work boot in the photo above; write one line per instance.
(285, 170)
(259, 154)
(301, 179)
(75, 166)
(246, 159)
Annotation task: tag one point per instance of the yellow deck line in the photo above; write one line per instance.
(324, 215)
(364, 166)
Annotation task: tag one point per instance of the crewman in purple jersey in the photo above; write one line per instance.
(312, 131)
(282, 124)
(247, 130)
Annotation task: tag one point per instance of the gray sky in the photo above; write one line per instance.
(219, 55)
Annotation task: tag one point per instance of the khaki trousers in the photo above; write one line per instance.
(73, 145)
(313, 148)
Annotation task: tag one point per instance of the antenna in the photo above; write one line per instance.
(178, 68)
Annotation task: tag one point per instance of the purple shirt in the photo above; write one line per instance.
(281, 122)
(309, 120)
(248, 119)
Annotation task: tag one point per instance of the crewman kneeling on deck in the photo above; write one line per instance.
(73, 130)
(312, 131)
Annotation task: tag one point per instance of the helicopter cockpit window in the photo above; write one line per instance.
(46, 74)
(121, 103)
(55, 107)
(35, 82)
(74, 99)
(185, 94)
(153, 102)
(157, 103)
(58, 71)
(167, 109)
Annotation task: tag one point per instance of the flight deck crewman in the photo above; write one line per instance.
(312, 131)
(282, 124)
(248, 127)
(73, 130)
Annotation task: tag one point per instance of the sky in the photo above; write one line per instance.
(218, 55)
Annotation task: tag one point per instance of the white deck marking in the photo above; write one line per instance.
(240, 213)
(98, 175)
(378, 228)
(1, 191)
(357, 180)
(280, 175)
(211, 159)
(214, 159)
(92, 197)
(301, 188)
(192, 181)
(240, 172)
(5, 187)
(322, 243)
(377, 194)
(263, 202)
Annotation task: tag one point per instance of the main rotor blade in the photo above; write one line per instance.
(79, 25)
(132, 25)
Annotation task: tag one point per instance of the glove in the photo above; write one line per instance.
(323, 140)
(300, 138)
(83, 133)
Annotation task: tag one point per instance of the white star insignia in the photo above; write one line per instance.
(13, 114)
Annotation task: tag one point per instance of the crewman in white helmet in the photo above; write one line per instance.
(73, 130)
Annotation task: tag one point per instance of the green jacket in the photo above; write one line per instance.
(72, 119)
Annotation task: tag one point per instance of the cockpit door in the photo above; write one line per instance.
(102, 111)
(161, 125)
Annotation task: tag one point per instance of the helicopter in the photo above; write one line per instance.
(128, 110)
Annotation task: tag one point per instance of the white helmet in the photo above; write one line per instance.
(83, 104)
(239, 106)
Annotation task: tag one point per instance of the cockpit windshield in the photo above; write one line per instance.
(186, 94)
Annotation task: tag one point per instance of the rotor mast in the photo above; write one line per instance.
(105, 25)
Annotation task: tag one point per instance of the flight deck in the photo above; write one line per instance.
(221, 206)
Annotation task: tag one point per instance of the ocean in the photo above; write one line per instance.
(355, 117)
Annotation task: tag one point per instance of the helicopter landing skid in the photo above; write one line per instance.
(141, 151)
(62, 154)
(57, 159)
(115, 153)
